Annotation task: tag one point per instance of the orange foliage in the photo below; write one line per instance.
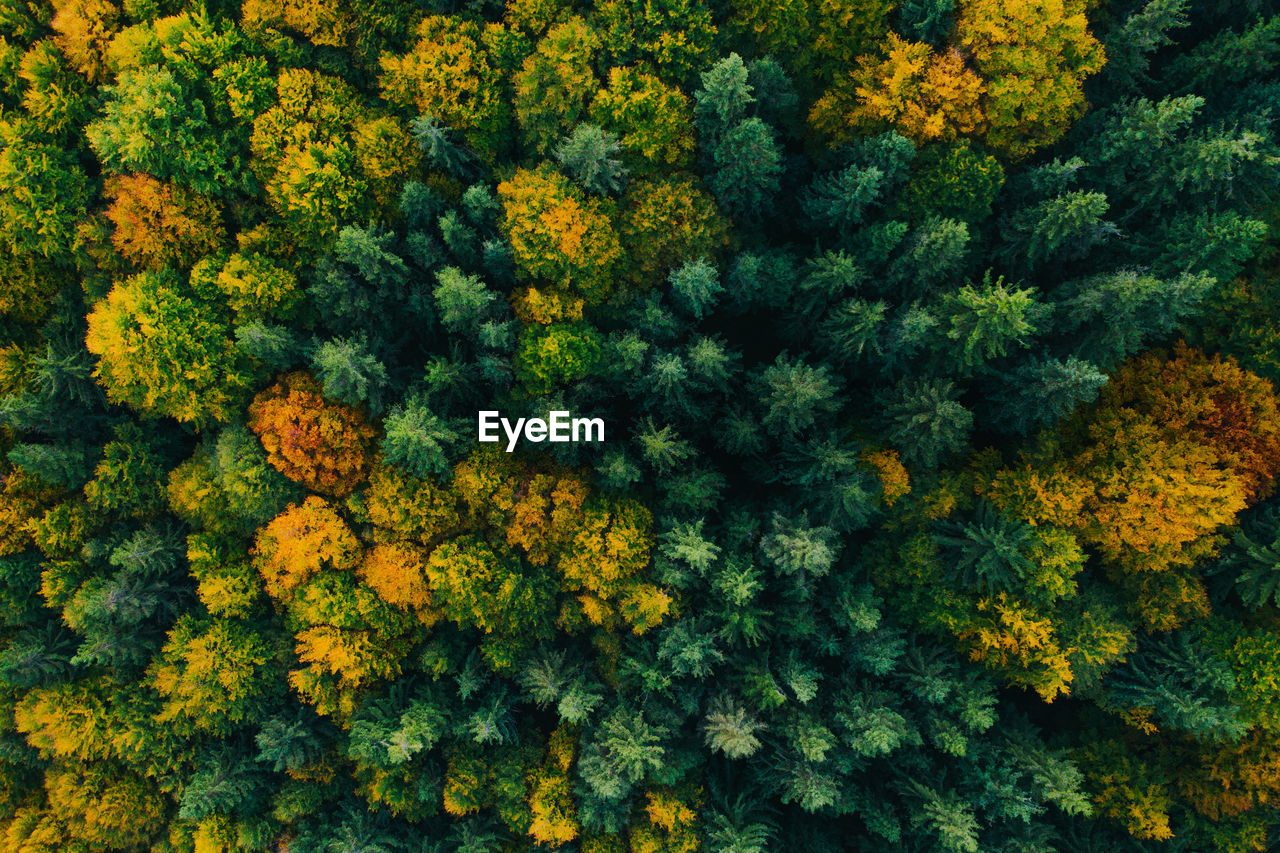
(157, 224)
(1213, 399)
(323, 445)
(396, 571)
(83, 29)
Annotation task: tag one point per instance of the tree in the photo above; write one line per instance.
(418, 440)
(43, 194)
(349, 373)
(954, 181)
(252, 285)
(651, 120)
(796, 395)
(924, 95)
(322, 445)
(214, 676)
(674, 37)
(1047, 390)
(724, 98)
(450, 75)
(984, 322)
(325, 160)
(1033, 73)
(927, 422)
(695, 286)
(665, 222)
(478, 586)
(105, 805)
(148, 116)
(589, 155)
(553, 87)
(561, 353)
(143, 325)
(558, 236)
(157, 225)
(748, 166)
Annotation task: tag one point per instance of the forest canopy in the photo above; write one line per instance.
(936, 343)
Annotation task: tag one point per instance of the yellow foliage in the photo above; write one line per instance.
(106, 806)
(83, 28)
(926, 96)
(551, 802)
(1126, 792)
(210, 675)
(1034, 56)
(544, 306)
(559, 237)
(672, 824)
(1015, 637)
(666, 221)
(396, 571)
(551, 90)
(357, 657)
(23, 499)
(653, 121)
(404, 507)
(302, 541)
(894, 481)
(448, 74)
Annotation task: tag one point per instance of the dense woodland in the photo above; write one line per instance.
(935, 341)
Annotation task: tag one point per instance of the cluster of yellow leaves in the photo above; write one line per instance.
(23, 499)
(653, 121)
(598, 549)
(1013, 78)
(397, 572)
(894, 481)
(924, 95)
(666, 221)
(553, 87)
(559, 237)
(1034, 56)
(352, 612)
(324, 446)
(83, 29)
(251, 285)
(300, 543)
(152, 321)
(212, 675)
(1145, 478)
(449, 74)
(555, 818)
(1169, 454)
(1128, 791)
(672, 822)
(325, 159)
(477, 779)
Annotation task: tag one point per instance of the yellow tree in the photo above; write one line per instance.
(1034, 56)
(556, 82)
(449, 74)
(922, 94)
(559, 237)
